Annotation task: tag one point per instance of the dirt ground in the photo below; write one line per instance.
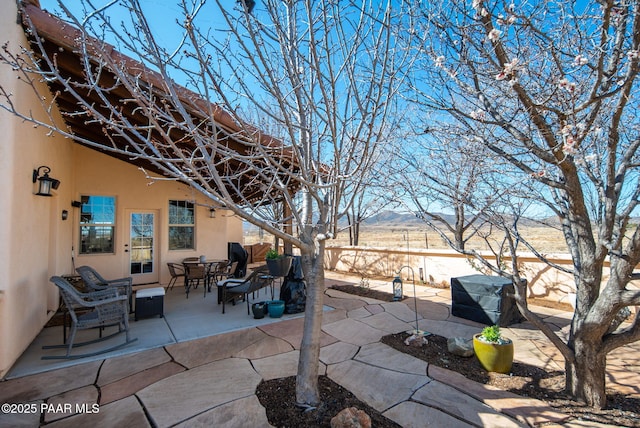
(278, 396)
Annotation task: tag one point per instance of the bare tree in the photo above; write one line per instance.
(551, 89)
(322, 73)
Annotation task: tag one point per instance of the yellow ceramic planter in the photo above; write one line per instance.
(494, 357)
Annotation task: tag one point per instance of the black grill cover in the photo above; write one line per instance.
(294, 289)
(236, 253)
(485, 299)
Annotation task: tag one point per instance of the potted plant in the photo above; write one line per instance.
(278, 264)
(494, 352)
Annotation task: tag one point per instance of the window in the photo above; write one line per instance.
(97, 224)
(181, 225)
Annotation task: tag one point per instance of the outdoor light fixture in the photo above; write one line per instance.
(397, 289)
(212, 212)
(46, 183)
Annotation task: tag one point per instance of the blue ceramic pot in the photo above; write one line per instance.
(276, 308)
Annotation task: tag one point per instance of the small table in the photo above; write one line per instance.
(149, 302)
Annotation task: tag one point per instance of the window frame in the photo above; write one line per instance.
(185, 205)
(99, 214)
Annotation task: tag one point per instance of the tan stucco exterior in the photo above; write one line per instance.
(35, 243)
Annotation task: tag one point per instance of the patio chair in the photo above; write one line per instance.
(95, 309)
(95, 281)
(176, 270)
(194, 273)
(221, 270)
(232, 289)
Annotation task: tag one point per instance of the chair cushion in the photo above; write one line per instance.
(230, 282)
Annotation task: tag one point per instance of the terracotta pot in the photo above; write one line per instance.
(494, 357)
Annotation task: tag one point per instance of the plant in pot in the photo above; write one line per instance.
(494, 351)
(278, 264)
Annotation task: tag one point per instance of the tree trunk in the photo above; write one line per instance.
(307, 377)
(585, 378)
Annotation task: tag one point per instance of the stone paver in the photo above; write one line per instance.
(329, 317)
(379, 388)
(22, 420)
(353, 331)
(291, 332)
(375, 309)
(67, 403)
(175, 399)
(123, 413)
(281, 365)
(130, 385)
(383, 356)
(456, 403)
(527, 410)
(359, 313)
(202, 351)
(433, 311)
(245, 412)
(264, 348)
(48, 384)
(118, 368)
(387, 323)
(401, 311)
(415, 415)
(337, 352)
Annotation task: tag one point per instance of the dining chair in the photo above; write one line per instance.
(218, 271)
(176, 271)
(194, 273)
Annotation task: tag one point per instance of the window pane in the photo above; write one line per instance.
(181, 212)
(98, 210)
(181, 225)
(96, 239)
(97, 224)
(181, 237)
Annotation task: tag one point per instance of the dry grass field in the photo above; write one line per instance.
(545, 239)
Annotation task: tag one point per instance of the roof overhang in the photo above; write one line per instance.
(68, 46)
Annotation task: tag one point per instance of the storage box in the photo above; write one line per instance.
(149, 302)
(486, 299)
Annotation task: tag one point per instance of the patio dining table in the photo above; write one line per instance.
(201, 270)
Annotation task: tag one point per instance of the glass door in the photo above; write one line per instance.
(141, 251)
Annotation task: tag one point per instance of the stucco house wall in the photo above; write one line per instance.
(36, 243)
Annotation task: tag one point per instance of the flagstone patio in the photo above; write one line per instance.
(207, 375)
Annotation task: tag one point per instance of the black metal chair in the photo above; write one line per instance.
(95, 281)
(95, 309)
(232, 289)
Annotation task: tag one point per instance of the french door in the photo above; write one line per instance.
(141, 247)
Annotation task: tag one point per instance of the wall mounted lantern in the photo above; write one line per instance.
(212, 212)
(46, 183)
